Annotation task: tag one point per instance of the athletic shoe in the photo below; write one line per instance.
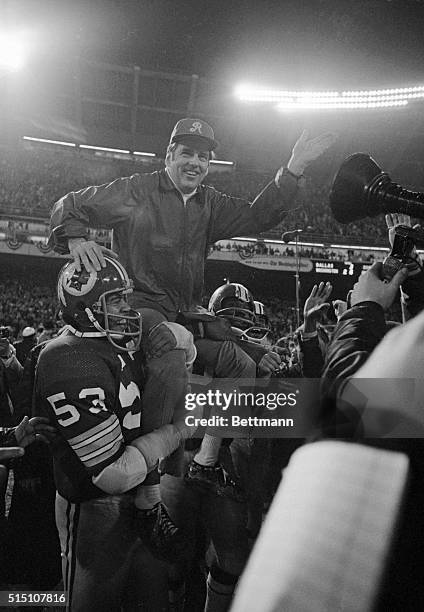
(159, 533)
(214, 479)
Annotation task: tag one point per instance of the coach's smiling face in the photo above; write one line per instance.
(187, 165)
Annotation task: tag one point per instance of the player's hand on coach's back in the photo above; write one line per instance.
(89, 254)
(372, 288)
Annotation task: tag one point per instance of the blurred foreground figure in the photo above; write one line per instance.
(325, 542)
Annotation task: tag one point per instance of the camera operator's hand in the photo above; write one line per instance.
(392, 221)
(89, 254)
(371, 288)
(316, 306)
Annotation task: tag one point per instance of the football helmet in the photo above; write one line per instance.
(83, 301)
(260, 333)
(235, 303)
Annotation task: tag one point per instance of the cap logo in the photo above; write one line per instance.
(196, 126)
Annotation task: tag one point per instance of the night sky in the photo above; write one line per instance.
(297, 44)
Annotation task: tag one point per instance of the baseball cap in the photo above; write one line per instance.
(28, 331)
(196, 129)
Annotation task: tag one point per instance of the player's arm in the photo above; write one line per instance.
(78, 391)
(141, 457)
(99, 206)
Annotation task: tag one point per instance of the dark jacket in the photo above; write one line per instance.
(162, 242)
(311, 358)
(413, 296)
(356, 335)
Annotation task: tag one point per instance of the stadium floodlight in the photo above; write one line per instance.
(12, 51)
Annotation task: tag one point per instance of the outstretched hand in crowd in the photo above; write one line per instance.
(316, 305)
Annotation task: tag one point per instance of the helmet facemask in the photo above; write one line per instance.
(103, 320)
(260, 333)
(239, 317)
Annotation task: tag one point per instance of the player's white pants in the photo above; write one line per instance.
(98, 541)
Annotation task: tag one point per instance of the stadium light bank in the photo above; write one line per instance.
(284, 100)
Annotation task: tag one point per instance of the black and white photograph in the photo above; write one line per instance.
(212, 305)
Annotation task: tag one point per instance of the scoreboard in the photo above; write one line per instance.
(339, 268)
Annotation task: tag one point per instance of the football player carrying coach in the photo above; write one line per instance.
(163, 223)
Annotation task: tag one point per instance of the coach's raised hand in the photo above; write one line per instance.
(89, 254)
(308, 149)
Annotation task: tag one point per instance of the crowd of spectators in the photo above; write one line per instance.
(31, 181)
(281, 314)
(25, 304)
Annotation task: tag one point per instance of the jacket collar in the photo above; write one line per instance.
(166, 184)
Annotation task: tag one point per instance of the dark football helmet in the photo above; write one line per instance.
(235, 303)
(83, 301)
(260, 333)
